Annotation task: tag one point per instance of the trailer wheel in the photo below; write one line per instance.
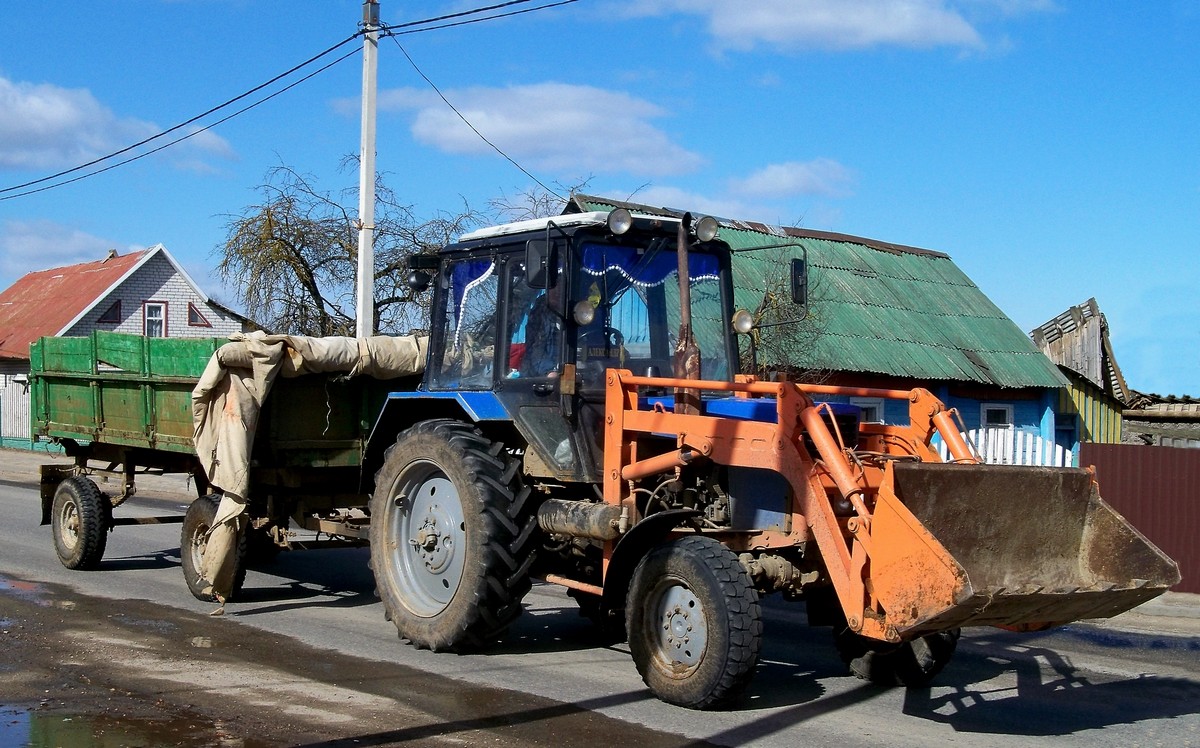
(80, 520)
(193, 540)
(912, 663)
(452, 536)
(694, 622)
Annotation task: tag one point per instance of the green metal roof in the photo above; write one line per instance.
(877, 307)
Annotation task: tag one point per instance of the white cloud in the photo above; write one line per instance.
(26, 246)
(43, 126)
(820, 176)
(834, 24)
(556, 127)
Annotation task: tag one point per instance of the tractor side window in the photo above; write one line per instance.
(535, 328)
(469, 329)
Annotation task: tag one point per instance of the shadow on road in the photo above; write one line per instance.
(499, 719)
(1051, 696)
(163, 559)
(330, 578)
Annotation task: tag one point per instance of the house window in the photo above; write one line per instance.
(994, 416)
(196, 317)
(154, 319)
(870, 408)
(112, 315)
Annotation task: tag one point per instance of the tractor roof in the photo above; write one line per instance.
(590, 218)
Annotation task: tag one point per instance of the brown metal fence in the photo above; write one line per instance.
(1158, 490)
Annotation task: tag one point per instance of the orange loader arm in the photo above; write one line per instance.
(911, 545)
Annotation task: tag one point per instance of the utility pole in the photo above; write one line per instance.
(365, 290)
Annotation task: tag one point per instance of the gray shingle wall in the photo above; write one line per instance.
(157, 281)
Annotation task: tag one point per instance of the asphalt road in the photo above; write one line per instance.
(1085, 684)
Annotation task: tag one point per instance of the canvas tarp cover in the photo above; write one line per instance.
(228, 399)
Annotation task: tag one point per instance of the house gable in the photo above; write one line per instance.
(106, 294)
(158, 280)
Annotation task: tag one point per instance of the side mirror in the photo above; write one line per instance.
(418, 281)
(539, 263)
(420, 271)
(800, 281)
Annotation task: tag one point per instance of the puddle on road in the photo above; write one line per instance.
(24, 728)
(27, 591)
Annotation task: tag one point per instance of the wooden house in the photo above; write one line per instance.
(891, 316)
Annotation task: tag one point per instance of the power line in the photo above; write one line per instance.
(466, 121)
(454, 15)
(192, 134)
(391, 29)
(170, 130)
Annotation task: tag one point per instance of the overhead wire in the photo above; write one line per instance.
(460, 14)
(392, 29)
(467, 122)
(181, 125)
(192, 134)
(387, 29)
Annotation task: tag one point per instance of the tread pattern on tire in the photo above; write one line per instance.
(743, 614)
(94, 513)
(510, 527)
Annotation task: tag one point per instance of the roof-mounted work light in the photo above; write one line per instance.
(620, 220)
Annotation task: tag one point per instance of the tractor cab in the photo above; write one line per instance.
(529, 316)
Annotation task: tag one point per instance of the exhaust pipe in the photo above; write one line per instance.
(583, 519)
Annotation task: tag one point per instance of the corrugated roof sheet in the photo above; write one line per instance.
(880, 308)
(46, 301)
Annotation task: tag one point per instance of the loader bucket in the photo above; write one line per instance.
(973, 545)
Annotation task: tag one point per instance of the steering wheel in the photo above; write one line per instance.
(611, 336)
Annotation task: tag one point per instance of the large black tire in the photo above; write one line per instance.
(694, 623)
(913, 663)
(193, 539)
(452, 536)
(80, 521)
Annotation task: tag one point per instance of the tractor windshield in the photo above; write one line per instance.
(635, 294)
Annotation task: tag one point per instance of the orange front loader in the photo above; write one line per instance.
(911, 545)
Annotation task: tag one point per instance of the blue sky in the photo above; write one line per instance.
(1052, 148)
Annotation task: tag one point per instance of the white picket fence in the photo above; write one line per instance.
(14, 407)
(1009, 446)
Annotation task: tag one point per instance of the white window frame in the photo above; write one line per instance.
(1008, 416)
(146, 318)
(864, 403)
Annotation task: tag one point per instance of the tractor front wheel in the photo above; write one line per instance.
(694, 622)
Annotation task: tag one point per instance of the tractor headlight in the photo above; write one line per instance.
(620, 221)
(743, 321)
(706, 229)
(584, 313)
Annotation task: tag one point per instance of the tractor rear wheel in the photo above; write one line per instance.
(452, 536)
(694, 622)
(912, 663)
(80, 520)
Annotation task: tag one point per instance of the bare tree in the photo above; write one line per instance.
(784, 335)
(293, 256)
(534, 202)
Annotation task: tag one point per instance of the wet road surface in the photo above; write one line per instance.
(307, 659)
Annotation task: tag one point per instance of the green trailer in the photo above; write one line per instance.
(121, 406)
